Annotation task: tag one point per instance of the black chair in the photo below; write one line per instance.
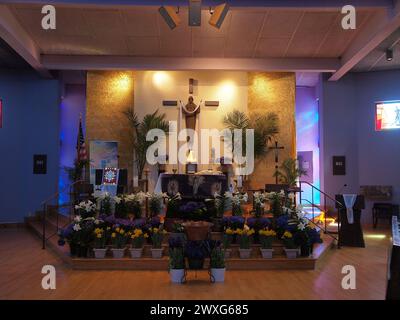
(384, 211)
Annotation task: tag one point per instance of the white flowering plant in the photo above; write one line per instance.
(156, 202)
(134, 203)
(259, 200)
(276, 200)
(237, 199)
(86, 209)
(103, 201)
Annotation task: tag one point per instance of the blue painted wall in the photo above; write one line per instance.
(372, 158)
(30, 126)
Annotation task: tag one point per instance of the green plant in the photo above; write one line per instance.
(138, 238)
(265, 128)
(119, 238)
(217, 259)
(288, 172)
(177, 227)
(266, 237)
(100, 238)
(157, 236)
(140, 129)
(176, 258)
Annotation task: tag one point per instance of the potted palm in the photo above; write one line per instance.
(157, 236)
(176, 264)
(99, 246)
(137, 238)
(289, 172)
(217, 262)
(245, 241)
(291, 248)
(118, 240)
(266, 237)
(227, 239)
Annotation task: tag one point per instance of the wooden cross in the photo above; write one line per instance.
(277, 148)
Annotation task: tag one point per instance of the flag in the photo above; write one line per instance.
(80, 144)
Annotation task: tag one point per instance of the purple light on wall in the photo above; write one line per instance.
(307, 132)
(72, 106)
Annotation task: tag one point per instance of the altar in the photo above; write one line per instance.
(192, 186)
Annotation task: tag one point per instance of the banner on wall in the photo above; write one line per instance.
(103, 154)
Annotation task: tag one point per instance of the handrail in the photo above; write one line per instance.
(45, 205)
(319, 190)
(325, 197)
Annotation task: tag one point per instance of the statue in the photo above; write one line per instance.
(190, 111)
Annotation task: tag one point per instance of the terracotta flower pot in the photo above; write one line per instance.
(197, 230)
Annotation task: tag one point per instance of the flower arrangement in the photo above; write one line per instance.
(157, 236)
(100, 238)
(244, 237)
(233, 222)
(103, 200)
(193, 210)
(86, 209)
(217, 258)
(275, 200)
(176, 258)
(173, 203)
(266, 238)
(138, 238)
(237, 199)
(227, 238)
(288, 240)
(259, 201)
(134, 203)
(156, 202)
(119, 238)
(121, 208)
(220, 204)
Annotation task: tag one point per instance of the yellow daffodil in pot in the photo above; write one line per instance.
(266, 237)
(138, 237)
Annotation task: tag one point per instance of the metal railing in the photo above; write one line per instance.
(323, 208)
(45, 205)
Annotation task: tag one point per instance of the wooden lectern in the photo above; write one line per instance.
(351, 235)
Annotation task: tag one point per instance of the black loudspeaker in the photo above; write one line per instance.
(123, 177)
(194, 13)
(170, 16)
(99, 177)
(219, 15)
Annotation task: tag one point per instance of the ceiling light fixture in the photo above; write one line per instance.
(218, 15)
(389, 54)
(170, 16)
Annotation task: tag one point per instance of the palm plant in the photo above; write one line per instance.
(140, 128)
(265, 128)
(288, 172)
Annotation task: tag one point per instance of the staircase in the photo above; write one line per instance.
(323, 214)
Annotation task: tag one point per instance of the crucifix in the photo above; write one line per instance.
(190, 111)
(277, 148)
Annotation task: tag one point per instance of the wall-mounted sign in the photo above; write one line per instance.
(339, 165)
(39, 164)
(387, 116)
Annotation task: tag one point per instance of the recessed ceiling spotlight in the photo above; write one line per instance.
(170, 16)
(389, 54)
(218, 15)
